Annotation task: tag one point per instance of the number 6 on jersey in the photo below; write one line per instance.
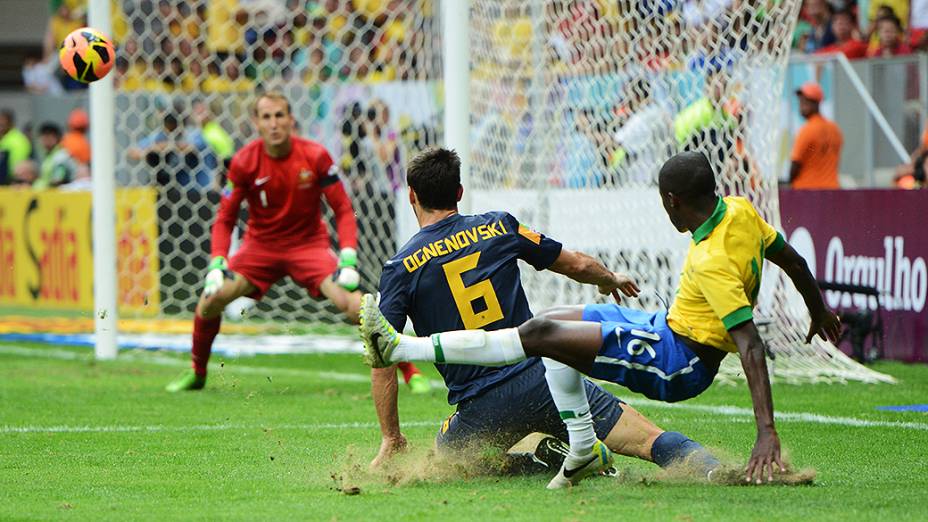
(465, 296)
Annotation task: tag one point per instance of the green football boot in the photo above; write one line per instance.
(187, 381)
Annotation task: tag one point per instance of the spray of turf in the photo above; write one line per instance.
(732, 472)
(426, 465)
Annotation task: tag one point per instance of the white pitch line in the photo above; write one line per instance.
(786, 416)
(178, 363)
(203, 427)
(727, 411)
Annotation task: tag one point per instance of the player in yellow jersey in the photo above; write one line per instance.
(668, 355)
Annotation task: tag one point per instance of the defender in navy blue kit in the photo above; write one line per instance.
(461, 272)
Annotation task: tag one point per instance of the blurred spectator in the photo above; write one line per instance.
(882, 8)
(889, 39)
(377, 187)
(227, 79)
(14, 145)
(81, 180)
(224, 27)
(25, 173)
(818, 14)
(708, 124)
(39, 75)
(918, 25)
(206, 146)
(645, 139)
(214, 135)
(58, 167)
(847, 36)
(157, 149)
(581, 163)
(75, 140)
(817, 147)
(384, 143)
(912, 174)
(63, 20)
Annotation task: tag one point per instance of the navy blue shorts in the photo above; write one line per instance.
(642, 353)
(506, 413)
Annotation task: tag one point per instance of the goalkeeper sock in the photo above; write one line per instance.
(569, 394)
(497, 348)
(409, 369)
(204, 332)
(671, 448)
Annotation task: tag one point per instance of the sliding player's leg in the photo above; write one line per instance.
(629, 347)
(509, 412)
(574, 343)
(587, 455)
(522, 405)
(635, 435)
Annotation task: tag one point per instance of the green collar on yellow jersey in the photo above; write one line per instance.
(709, 225)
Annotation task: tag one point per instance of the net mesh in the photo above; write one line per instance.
(574, 106)
(577, 103)
(362, 79)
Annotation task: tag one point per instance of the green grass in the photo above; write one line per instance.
(274, 449)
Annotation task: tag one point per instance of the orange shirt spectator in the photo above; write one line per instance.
(817, 149)
(75, 140)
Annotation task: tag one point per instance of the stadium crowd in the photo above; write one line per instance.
(231, 47)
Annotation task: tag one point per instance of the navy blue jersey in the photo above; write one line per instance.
(462, 273)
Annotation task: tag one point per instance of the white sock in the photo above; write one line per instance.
(566, 385)
(495, 348)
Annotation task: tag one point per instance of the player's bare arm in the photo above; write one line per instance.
(766, 452)
(824, 322)
(585, 269)
(384, 385)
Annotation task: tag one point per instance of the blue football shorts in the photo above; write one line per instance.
(641, 352)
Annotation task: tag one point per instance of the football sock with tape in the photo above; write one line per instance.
(204, 333)
(569, 394)
(495, 348)
(672, 448)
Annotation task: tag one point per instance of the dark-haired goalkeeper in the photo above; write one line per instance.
(462, 271)
(668, 356)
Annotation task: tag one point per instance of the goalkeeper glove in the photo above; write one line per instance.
(347, 275)
(215, 276)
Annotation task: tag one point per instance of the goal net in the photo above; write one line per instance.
(576, 104)
(362, 77)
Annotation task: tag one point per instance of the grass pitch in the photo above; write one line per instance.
(287, 437)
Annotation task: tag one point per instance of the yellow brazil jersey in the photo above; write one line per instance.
(722, 272)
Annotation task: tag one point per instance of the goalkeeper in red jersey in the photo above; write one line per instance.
(284, 179)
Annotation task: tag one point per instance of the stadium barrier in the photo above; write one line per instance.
(868, 238)
(46, 250)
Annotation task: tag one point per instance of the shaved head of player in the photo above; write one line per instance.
(687, 187)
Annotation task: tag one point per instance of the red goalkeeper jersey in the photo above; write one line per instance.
(284, 198)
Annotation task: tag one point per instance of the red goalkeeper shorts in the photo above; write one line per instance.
(263, 266)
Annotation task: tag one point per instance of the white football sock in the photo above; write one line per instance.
(569, 394)
(495, 348)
